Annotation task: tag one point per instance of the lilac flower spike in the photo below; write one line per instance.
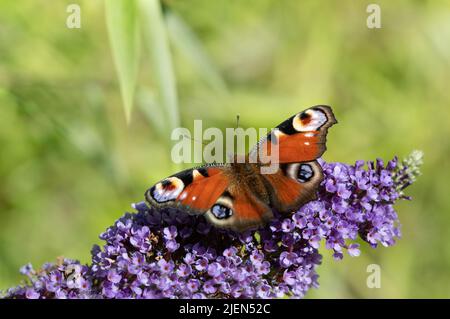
(168, 254)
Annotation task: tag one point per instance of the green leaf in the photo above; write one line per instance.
(153, 112)
(187, 42)
(161, 60)
(123, 27)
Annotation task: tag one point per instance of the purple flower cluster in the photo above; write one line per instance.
(147, 256)
(61, 280)
(169, 254)
(356, 202)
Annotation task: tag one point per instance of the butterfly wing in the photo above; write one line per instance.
(212, 192)
(194, 190)
(238, 209)
(293, 185)
(301, 138)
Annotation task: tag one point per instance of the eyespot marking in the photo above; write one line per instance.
(305, 118)
(305, 173)
(167, 190)
(309, 120)
(220, 211)
(223, 208)
(301, 172)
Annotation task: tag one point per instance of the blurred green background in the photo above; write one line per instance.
(70, 164)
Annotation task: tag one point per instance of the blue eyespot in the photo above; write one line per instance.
(221, 212)
(305, 173)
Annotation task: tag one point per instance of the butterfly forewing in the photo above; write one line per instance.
(302, 137)
(194, 190)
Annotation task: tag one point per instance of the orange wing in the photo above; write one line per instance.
(194, 190)
(209, 191)
(301, 138)
(203, 192)
(238, 209)
(294, 185)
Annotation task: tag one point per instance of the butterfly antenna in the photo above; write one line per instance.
(193, 139)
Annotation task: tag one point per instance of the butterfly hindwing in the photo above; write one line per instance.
(293, 185)
(302, 137)
(238, 209)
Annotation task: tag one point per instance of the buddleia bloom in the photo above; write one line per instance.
(168, 254)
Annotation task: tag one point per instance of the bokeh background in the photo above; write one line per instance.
(71, 164)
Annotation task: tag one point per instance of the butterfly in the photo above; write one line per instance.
(237, 195)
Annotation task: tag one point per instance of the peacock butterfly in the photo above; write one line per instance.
(237, 195)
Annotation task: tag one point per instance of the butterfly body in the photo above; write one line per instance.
(238, 195)
(248, 175)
